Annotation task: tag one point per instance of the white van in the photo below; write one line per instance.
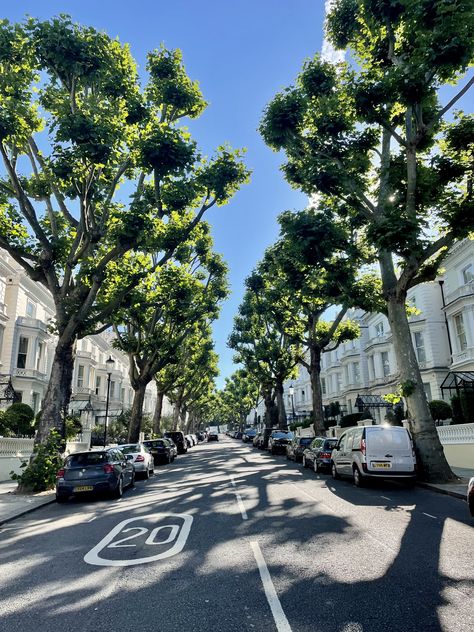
(375, 452)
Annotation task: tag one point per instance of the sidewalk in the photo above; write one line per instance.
(15, 505)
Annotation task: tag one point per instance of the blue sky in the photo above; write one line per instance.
(241, 52)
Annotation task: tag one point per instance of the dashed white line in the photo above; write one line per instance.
(279, 616)
(241, 506)
(232, 480)
(429, 515)
(385, 497)
(93, 518)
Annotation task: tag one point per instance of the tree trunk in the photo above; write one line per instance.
(316, 392)
(137, 411)
(158, 411)
(176, 412)
(282, 421)
(431, 458)
(58, 393)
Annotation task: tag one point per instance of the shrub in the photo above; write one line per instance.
(440, 409)
(18, 418)
(457, 412)
(347, 421)
(467, 405)
(40, 473)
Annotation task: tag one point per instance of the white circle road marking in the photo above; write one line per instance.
(179, 532)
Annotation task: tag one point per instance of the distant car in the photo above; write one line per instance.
(200, 436)
(95, 471)
(162, 450)
(238, 435)
(177, 437)
(256, 439)
(318, 454)
(296, 447)
(470, 496)
(213, 436)
(278, 441)
(195, 439)
(140, 456)
(249, 435)
(189, 440)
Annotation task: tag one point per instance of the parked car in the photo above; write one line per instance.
(200, 436)
(195, 439)
(213, 436)
(470, 496)
(141, 457)
(318, 454)
(263, 438)
(238, 435)
(189, 440)
(372, 452)
(278, 441)
(249, 435)
(177, 437)
(296, 447)
(162, 450)
(256, 439)
(95, 471)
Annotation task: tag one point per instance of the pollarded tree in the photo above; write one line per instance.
(266, 353)
(74, 125)
(313, 267)
(162, 311)
(375, 139)
(239, 396)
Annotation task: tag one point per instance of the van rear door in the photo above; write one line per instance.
(389, 449)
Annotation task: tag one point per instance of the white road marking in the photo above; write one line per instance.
(93, 518)
(180, 530)
(232, 480)
(241, 506)
(385, 497)
(429, 515)
(279, 616)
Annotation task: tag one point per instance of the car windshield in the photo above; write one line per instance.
(305, 440)
(90, 458)
(176, 436)
(154, 444)
(281, 435)
(330, 444)
(130, 449)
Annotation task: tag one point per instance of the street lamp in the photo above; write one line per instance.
(291, 392)
(110, 365)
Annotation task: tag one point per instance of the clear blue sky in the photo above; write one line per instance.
(241, 52)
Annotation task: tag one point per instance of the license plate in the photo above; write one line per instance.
(383, 466)
(83, 488)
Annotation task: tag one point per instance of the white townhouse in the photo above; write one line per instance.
(27, 348)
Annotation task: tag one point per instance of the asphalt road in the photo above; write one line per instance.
(231, 539)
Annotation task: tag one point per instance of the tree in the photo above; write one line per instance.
(74, 125)
(314, 267)
(238, 397)
(18, 419)
(375, 140)
(266, 353)
(440, 410)
(162, 312)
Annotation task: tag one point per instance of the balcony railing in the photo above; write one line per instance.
(459, 433)
(463, 356)
(32, 323)
(30, 373)
(463, 290)
(378, 340)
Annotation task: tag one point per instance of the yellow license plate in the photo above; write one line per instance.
(83, 488)
(383, 466)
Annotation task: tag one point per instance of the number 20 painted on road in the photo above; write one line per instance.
(178, 534)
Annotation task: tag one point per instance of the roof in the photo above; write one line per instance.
(371, 401)
(458, 379)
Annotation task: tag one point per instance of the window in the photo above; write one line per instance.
(419, 346)
(35, 402)
(427, 387)
(30, 309)
(112, 389)
(372, 366)
(460, 332)
(385, 363)
(379, 329)
(2, 329)
(468, 274)
(39, 356)
(98, 381)
(323, 385)
(356, 372)
(122, 395)
(80, 376)
(338, 382)
(22, 353)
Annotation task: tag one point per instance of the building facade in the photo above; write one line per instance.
(27, 346)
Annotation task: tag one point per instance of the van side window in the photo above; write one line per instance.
(342, 442)
(357, 437)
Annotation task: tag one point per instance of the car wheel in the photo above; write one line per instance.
(61, 498)
(118, 491)
(304, 462)
(315, 466)
(152, 470)
(132, 482)
(334, 472)
(358, 478)
(146, 474)
(168, 459)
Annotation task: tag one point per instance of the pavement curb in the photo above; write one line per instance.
(439, 490)
(26, 511)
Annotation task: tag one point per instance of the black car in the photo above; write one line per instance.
(213, 436)
(249, 435)
(318, 454)
(278, 441)
(238, 435)
(94, 472)
(163, 450)
(178, 439)
(295, 449)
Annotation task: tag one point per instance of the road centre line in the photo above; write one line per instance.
(279, 616)
(241, 506)
(385, 497)
(429, 515)
(93, 518)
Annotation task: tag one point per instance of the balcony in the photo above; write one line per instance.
(378, 340)
(381, 381)
(31, 374)
(467, 355)
(32, 323)
(460, 292)
(84, 390)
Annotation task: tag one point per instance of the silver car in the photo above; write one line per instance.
(141, 458)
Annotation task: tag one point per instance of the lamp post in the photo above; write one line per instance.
(291, 392)
(110, 365)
